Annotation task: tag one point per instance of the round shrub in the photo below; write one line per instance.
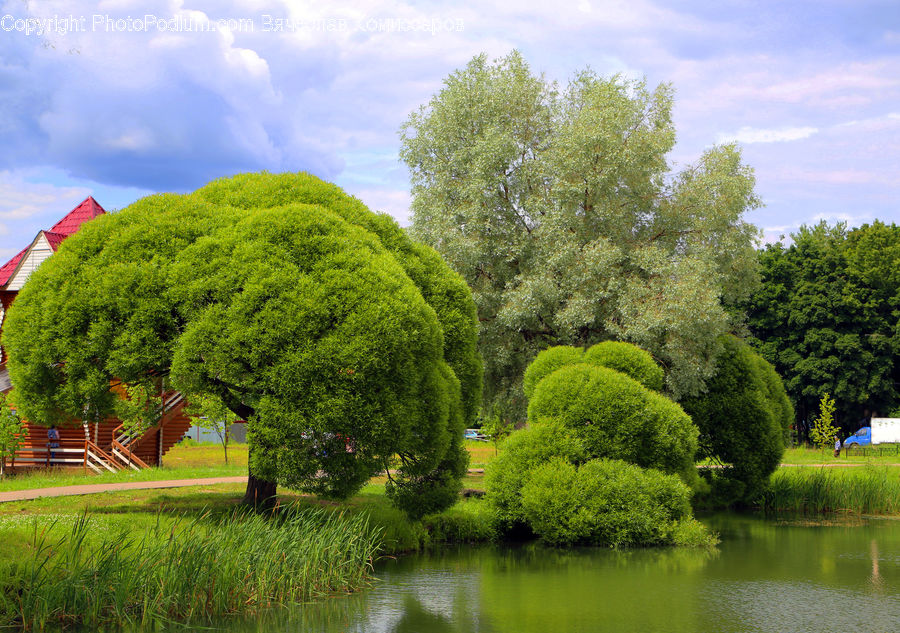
(617, 417)
(547, 362)
(776, 395)
(522, 451)
(629, 359)
(740, 424)
(604, 502)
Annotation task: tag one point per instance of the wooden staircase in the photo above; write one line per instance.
(106, 446)
(147, 449)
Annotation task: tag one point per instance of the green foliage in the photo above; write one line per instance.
(825, 317)
(522, 451)
(240, 563)
(558, 209)
(547, 362)
(777, 397)
(470, 521)
(443, 290)
(866, 490)
(138, 410)
(629, 359)
(339, 340)
(617, 417)
(605, 502)
(823, 432)
(497, 426)
(12, 432)
(740, 425)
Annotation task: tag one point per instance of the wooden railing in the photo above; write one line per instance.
(69, 452)
(122, 448)
(96, 458)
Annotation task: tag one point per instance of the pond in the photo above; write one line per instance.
(766, 575)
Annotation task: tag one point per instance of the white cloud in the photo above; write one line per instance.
(777, 135)
(21, 199)
(833, 218)
(25, 206)
(393, 202)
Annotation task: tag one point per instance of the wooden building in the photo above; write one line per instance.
(103, 446)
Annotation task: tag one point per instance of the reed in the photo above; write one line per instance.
(192, 570)
(811, 490)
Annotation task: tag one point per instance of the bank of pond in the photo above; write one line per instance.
(778, 570)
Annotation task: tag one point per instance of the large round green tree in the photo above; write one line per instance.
(744, 420)
(342, 343)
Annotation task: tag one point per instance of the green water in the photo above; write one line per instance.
(764, 576)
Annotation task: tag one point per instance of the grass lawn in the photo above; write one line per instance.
(480, 453)
(887, 454)
(139, 510)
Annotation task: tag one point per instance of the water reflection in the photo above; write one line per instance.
(764, 577)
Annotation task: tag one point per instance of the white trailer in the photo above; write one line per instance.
(885, 430)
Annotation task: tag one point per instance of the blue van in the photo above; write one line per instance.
(862, 437)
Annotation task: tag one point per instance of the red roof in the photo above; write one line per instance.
(7, 270)
(87, 210)
(54, 239)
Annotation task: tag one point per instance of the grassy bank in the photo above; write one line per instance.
(111, 557)
(869, 489)
(188, 569)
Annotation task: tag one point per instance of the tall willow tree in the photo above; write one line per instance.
(559, 209)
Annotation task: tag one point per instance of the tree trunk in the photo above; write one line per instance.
(260, 493)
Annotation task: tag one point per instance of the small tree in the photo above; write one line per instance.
(823, 431)
(12, 433)
(209, 412)
(497, 426)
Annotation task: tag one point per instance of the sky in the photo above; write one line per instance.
(120, 99)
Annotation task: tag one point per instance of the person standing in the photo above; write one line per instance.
(837, 446)
(52, 440)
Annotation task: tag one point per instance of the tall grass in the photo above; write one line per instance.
(190, 571)
(863, 490)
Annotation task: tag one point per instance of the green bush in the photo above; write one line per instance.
(779, 402)
(607, 502)
(740, 424)
(617, 417)
(629, 359)
(547, 362)
(522, 451)
(469, 521)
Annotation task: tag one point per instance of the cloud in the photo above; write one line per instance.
(27, 206)
(393, 202)
(751, 135)
(848, 218)
(170, 110)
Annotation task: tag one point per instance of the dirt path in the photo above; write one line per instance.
(89, 489)
(844, 464)
(64, 491)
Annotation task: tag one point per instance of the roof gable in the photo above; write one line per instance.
(54, 239)
(9, 267)
(87, 210)
(69, 224)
